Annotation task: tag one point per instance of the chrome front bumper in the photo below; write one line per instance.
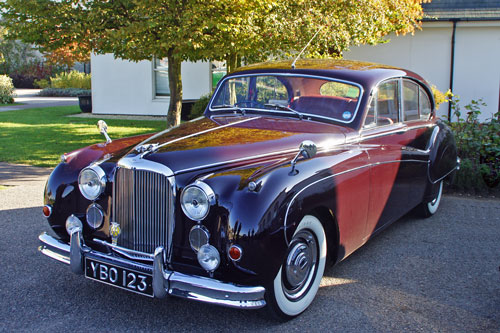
(165, 282)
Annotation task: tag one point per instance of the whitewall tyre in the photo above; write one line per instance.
(428, 209)
(298, 279)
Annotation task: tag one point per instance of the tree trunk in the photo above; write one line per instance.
(175, 85)
(231, 62)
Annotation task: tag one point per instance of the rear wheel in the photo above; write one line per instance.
(298, 279)
(427, 209)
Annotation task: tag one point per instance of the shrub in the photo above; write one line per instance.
(42, 83)
(6, 90)
(73, 79)
(68, 92)
(25, 75)
(199, 107)
(478, 145)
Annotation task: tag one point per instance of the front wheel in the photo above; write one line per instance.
(427, 209)
(298, 279)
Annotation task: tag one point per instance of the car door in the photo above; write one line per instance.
(416, 109)
(394, 165)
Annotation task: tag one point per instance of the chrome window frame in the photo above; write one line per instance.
(359, 86)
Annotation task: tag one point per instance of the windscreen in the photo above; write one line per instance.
(305, 95)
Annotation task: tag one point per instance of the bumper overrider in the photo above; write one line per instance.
(165, 282)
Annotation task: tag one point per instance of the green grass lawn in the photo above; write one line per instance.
(10, 104)
(40, 136)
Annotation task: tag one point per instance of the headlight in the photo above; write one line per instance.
(196, 200)
(92, 182)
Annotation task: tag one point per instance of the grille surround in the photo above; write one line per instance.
(143, 205)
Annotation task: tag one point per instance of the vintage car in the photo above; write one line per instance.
(290, 168)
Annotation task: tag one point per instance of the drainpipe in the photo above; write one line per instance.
(452, 61)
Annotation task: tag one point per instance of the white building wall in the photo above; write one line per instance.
(124, 87)
(428, 53)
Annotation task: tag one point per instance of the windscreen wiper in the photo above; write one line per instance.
(284, 107)
(232, 107)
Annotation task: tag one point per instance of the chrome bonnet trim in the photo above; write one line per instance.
(165, 282)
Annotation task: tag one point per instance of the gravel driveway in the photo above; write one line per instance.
(439, 274)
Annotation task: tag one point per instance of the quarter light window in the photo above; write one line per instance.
(160, 72)
(425, 104)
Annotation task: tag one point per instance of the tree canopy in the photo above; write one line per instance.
(195, 30)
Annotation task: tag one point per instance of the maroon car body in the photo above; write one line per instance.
(243, 206)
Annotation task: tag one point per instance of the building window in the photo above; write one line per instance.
(218, 71)
(160, 71)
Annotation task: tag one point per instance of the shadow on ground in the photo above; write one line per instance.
(438, 274)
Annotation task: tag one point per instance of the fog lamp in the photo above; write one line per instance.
(73, 222)
(94, 216)
(209, 257)
(198, 236)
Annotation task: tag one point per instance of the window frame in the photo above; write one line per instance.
(374, 96)
(156, 70)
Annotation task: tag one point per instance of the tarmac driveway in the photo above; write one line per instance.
(439, 274)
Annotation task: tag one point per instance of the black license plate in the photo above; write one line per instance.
(128, 279)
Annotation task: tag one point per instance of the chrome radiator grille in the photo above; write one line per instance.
(141, 205)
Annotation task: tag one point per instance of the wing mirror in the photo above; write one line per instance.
(307, 149)
(103, 128)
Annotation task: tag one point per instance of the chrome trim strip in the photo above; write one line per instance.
(391, 132)
(361, 92)
(136, 162)
(236, 160)
(165, 282)
(207, 131)
(335, 175)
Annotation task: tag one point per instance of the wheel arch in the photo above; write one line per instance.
(330, 225)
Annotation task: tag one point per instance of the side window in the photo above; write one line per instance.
(388, 103)
(425, 105)
(384, 106)
(410, 101)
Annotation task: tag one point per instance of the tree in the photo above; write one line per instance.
(195, 30)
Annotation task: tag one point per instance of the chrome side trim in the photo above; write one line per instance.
(378, 135)
(165, 282)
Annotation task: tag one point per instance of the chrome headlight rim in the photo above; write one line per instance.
(207, 192)
(101, 178)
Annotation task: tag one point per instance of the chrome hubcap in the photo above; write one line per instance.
(300, 265)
